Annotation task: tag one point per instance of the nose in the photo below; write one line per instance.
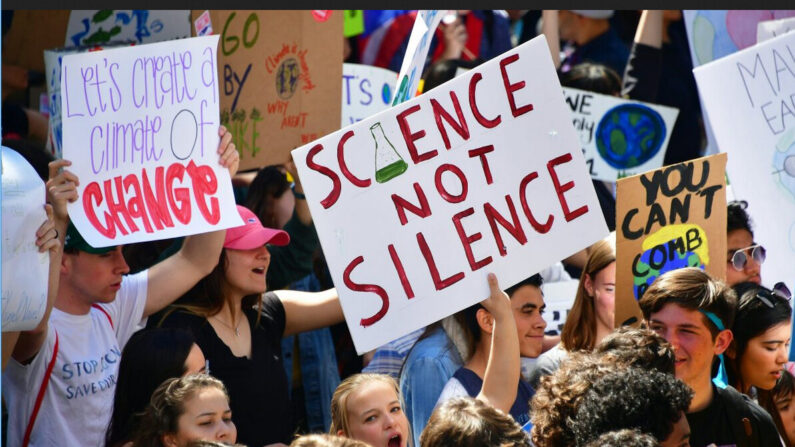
(782, 355)
(389, 420)
(263, 252)
(121, 263)
(226, 432)
(540, 323)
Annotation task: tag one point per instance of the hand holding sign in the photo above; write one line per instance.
(61, 188)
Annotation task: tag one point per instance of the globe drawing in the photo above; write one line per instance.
(629, 135)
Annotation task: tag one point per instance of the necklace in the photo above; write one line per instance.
(237, 332)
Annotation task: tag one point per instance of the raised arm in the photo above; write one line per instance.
(306, 311)
(642, 75)
(170, 279)
(549, 28)
(501, 378)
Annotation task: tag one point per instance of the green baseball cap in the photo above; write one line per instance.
(74, 240)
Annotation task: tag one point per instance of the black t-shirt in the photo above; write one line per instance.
(715, 423)
(258, 391)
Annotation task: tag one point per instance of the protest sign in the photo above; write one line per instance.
(416, 53)
(666, 219)
(25, 39)
(749, 97)
(620, 137)
(25, 270)
(96, 27)
(772, 28)
(280, 73)
(353, 22)
(366, 90)
(413, 206)
(140, 125)
(559, 298)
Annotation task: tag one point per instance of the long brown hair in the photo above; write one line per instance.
(579, 331)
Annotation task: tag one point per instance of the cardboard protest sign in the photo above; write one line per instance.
(140, 125)
(25, 270)
(96, 27)
(413, 206)
(666, 219)
(25, 40)
(366, 90)
(416, 53)
(772, 28)
(620, 137)
(280, 73)
(749, 97)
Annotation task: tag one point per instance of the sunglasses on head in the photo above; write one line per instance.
(779, 291)
(740, 257)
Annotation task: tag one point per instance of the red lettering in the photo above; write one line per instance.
(404, 281)
(460, 127)
(443, 191)
(511, 88)
(204, 184)
(336, 188)
(560, 189)
(344, 167)
(92, 191)
(514, 229)
(467, 240)
(481, 152)
(158, 208)
(410, 138)
(438, 282)
(356, 287)
(485, 122)
(117, 207)
(136, 204)
(401, 205)
(523, 199)
(181, 195)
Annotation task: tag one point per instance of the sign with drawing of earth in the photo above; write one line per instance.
(629, 135)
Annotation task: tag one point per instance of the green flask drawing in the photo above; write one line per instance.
(388, 163)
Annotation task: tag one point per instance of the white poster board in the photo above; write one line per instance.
(366, 90)
(416, 53)
(772, 28)
(415, 205)
(749, 99)
(25, 270)
(558, 297)
(145, 152)
(620, 137)
(98, 27)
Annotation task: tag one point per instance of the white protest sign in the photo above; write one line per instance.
(25, 270)
(620, 137)
(750, 98)
(413, 206)
(558, 298)
(772, 28)
(94, 27)
(416, 52)
(366, 90)
(140, 125)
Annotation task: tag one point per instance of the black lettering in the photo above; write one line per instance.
(629, 233)
(655, 215)
(708, 194)
(682, 209)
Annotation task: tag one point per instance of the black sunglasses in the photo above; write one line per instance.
(780, 291)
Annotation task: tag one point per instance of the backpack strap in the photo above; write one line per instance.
(469, 380)
(101, 309)
(40, 396)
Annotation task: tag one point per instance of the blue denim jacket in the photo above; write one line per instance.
(319, 372)
(428, 367)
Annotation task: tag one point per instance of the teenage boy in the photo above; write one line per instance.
(693, 311)
(60, 384)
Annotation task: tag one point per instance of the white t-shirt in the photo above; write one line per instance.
(77, 405)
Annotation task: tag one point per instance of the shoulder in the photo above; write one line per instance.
(453, 388)
(746, 406)
(181, 318)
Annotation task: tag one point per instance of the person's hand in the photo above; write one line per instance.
(47, 235)
(229, 158)
(61, 188)
(455, 39)
(498, 303)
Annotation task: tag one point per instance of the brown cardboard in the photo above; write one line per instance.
(645, 221)
(268, 117)
(31, 33)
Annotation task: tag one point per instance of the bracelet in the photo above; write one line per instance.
(298, 195)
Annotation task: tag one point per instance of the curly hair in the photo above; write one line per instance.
(469, 422)
(624, 438)
(647, 400)
(325, 440)
(737, 218)
(339, 400)
(168, 404)
(639, 347)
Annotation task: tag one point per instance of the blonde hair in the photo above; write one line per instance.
(324, 440)
(579, 331)
(339, 401)
(469, 422)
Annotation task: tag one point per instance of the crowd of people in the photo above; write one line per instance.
(237, 337)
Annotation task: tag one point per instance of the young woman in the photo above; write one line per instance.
(185, 409)
(239, 328)
(149, 358)
(591, 316)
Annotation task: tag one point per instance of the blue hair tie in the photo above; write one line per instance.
(714, 319)
(722, 379)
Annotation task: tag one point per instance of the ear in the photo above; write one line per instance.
(341, 433)
(66, 263)
(588, 285)
(485, 321)
(731, 352)
(169, 440)
(723, 341)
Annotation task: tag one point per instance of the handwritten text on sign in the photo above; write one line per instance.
(416, 204)
(141, 129)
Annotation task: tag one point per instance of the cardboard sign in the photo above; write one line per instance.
(416, 53)
(141, 129)
(97, 27)
(279, 73)
(749, 97)
(772, 28)
(620, 137)
(25, 270)
(667, 219)
(25, 40)
(415, 205)
(366, 90)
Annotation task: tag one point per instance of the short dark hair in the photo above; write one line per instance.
(592, 77)
(638, 347)
(469, 422)
(535, 281)
(693, 289)
(649, 401)
(737, 218)
(624, 438)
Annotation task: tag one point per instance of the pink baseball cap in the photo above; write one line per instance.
(252, 234)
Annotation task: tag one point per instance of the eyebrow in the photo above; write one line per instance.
(375, 409)
(683, 325)
(773, 342)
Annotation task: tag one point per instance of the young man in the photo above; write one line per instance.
(693, 311)
(60, 384)
(744, 257)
